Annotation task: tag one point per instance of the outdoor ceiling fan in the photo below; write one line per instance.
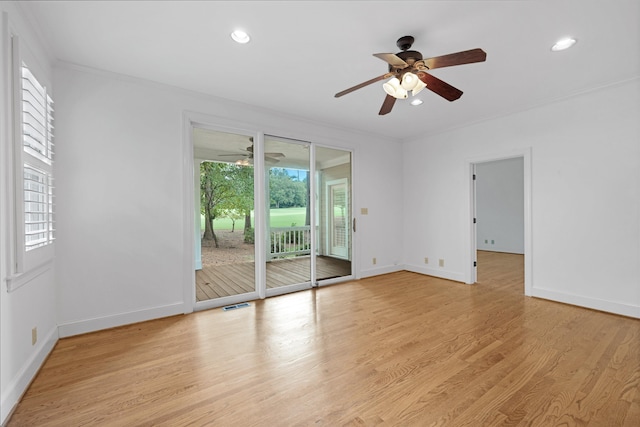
(408, 73)
(247, 156)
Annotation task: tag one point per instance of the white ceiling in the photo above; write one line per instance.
(303, 52)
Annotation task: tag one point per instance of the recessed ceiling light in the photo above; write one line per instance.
(240, 36)
(563, 44)
(416, 102)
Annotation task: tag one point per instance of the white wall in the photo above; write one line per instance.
(121, 190)
(33, 303)
(500, 205)
(585, 166)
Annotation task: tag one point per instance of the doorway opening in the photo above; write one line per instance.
(500, 220)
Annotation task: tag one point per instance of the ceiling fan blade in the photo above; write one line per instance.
(392, 59)
(268, 159)
(459, 58)
(274, 155)
(234, 155)
(443, 89)
(361, 85)
(387, 105)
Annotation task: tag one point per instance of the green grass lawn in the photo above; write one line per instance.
(278, 218)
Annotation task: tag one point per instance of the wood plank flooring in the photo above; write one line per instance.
(234, 279)
(401, 349)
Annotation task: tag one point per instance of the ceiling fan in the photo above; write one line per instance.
(248, 156)
(408, 72)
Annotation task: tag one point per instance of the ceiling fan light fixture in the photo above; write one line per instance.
(392, 86)
(563, 44)
(416, 101)
(240, 36)
(418, 87)
(401, 94)
(409, 81)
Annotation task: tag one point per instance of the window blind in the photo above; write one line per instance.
(37, 118)
(37, 138)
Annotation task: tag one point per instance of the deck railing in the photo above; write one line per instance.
(289, 241)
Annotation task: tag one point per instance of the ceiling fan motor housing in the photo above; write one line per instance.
(404, 43)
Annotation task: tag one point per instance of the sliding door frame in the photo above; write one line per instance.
(192, 120)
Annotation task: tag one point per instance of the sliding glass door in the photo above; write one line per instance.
(301, 230)
(289, 238)
(333, 213)
(224, 217)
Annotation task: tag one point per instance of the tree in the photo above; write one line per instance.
(286, 191)
(215, 188)
(307, 214)
(233, 214)
(242, 200)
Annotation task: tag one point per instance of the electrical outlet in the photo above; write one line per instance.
(493, 242)
(34, 336)
(486, 241)
(441, 262)
(364, 211)
(374, 261)
(426, 260)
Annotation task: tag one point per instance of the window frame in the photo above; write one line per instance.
(30, 262)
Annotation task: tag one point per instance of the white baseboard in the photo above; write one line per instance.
(17, 387)
(595, 304)
(380, 270)
(112, 321)
(436, 272)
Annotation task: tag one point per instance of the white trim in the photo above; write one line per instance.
(441, 274)
(592, 303)
(188, 240)
(6, 151)
(355, 263)
(471, 243)
(12, 394)
(473, 277)
(111, 321)
(197, 219)
(381, 270)
(260, 224)
(17, 237)
(17, 280)
(312, 176)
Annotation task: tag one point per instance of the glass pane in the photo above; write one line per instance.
(333, 213)
(225, 252)
(288, 251)
(37, 209)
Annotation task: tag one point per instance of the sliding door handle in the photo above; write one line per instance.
(354, 225)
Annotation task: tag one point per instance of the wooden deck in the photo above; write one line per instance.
(233, 279)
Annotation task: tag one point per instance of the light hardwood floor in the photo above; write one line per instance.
(401, 349)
